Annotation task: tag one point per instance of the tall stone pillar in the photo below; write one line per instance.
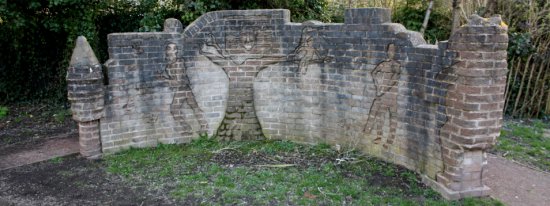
(85, 93)
(474, 102)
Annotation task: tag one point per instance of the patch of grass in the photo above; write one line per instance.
(18, 119)
(525, 142)
(271, 172)
(57, 160)
(164, 160)
(65, 173)
(61, 114)
(7, 140)
(3, 111)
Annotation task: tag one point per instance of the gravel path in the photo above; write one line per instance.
(515, 184)
(44, 151)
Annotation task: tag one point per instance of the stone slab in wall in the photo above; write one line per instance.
(367, 84)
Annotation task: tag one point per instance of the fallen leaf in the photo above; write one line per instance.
(309, 195)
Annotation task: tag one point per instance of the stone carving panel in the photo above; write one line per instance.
(247, 48)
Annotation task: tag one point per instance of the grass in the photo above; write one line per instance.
(61, 114)
(57, 160)
(525, 142)
(208, 172)
(3, 111)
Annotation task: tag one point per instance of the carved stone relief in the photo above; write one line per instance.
(305, 53)
(240, 121)
(382, 118)
(176, 72)
(136, 46)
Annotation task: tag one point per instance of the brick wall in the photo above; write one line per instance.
(474, 105)
(367, 84)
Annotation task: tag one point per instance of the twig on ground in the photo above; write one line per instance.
(36, 110)
(269, 157)
(326, 193)
(344, 159)
(277, 165)
(226, 148)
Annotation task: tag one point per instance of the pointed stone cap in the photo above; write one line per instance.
(83, 54)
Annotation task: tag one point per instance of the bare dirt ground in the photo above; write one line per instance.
(35, 130)
(51, 148)
(29, 124)
(29, 134)
(77, 181)
(72, 181)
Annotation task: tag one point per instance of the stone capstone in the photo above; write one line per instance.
(85, 83)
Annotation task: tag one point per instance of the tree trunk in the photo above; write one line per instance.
(490, 8)
(457, 8)
(427, 17)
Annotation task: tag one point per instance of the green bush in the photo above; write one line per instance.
(411, 14)
(37, 36)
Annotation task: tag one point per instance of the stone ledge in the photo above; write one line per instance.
(455, 195)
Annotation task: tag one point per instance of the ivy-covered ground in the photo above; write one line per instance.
(208, 172)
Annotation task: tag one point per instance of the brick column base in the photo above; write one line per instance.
(466, 181)
(90, 145)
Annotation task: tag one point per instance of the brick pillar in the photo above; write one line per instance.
(474, 102)
(90, 145)
(85, 92)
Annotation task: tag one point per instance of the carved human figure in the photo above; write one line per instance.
(176, 73)
(240, 120)
(171, 57)
(248, 39)
(384, 107)
(305, 53)
(212, 50)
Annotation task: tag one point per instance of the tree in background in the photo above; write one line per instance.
(34, 41)
(412, 13)
(427, 17)
(37, 36)
(457, 8)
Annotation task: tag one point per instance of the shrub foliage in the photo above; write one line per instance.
(37, 36)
